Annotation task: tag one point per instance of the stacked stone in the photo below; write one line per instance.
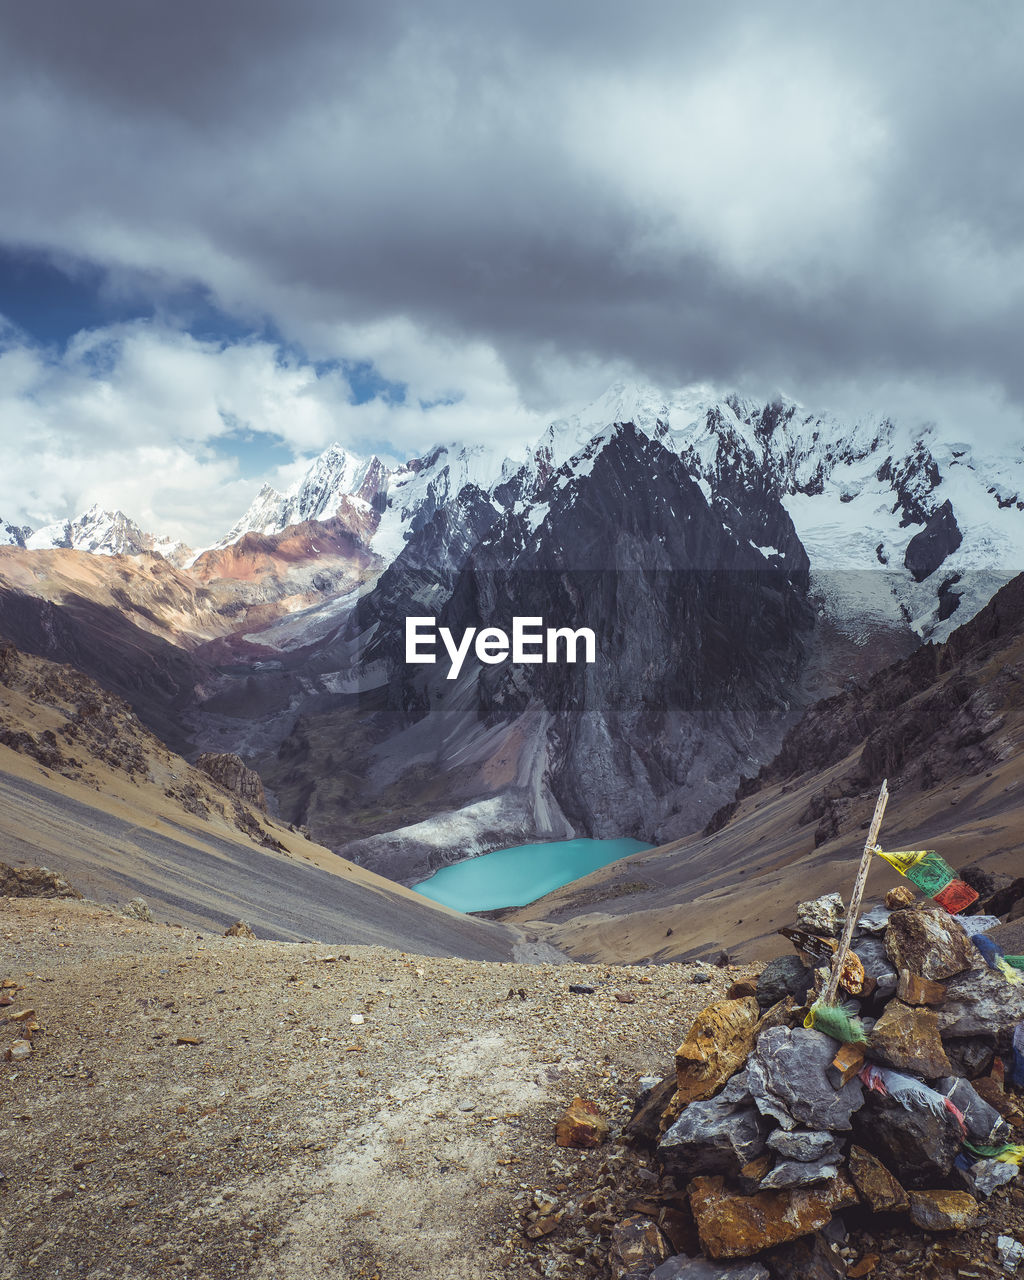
(774, 1128)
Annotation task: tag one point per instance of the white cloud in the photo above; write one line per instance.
(149, 419)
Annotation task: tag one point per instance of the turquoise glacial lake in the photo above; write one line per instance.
(514, 877)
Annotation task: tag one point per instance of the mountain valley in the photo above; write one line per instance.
(736, 562)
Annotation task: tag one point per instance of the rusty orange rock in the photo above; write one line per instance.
(582, 1125)
(928, 942)
(737, 1226)
(943, 1210)
(717, 1046)
(907, 1038)
(877, 1186)
(848, 1061)
(913, 989)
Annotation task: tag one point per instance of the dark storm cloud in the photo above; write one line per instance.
(732, 190)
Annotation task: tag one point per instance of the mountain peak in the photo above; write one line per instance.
(100, 532)
(12, 535)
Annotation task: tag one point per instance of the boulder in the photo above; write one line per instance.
(928, 941)
(713, 1136)
(34, 882)
(784, 1014)
(801, 1173)
(637, 1247)
(826, 915)
(877, 965)
(812, 1257)
(738, 1091)
(943, 1210)
(987, 1176)
(1011, 1252)
(804, 1144)
(970, 1058)
(984, 881)
(1005, 898)
(581, 1125)
(782, 977)
(787, 1075)
(877, 1186)
(981, 1003)
(875, 921)
(1009, 1106)
(921, 1144)
(985, 1125)
(738, 1226)
(716, 1047)
(913, 989)
(908, 1039)
(138, 909)
(645, 1122)
(239, 930)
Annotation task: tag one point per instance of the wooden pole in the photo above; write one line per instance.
(853, 911)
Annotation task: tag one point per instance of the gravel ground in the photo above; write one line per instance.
(206, 1107)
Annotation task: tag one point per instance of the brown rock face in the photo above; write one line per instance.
(717, 1046)
(33, 882)
(637, 1248)
(929, 942)
(943, 1210)
(899, 897)
(231, 772)
(736, 1226)
(877, 1187)
(582, 1125)
(848, 1061)
(915, 990)
(908, 1039)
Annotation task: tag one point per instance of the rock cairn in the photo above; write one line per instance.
(771, 1135)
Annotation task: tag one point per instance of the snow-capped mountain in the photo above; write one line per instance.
(941, 517)
(103, 533)
(416, 490)
(901, 522)
(12, 535)
(334, 477)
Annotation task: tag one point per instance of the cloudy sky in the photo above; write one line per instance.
(231, 233)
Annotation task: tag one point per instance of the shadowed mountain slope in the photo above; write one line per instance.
(86, 790)
(945, 725)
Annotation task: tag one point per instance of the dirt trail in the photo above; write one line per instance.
(345, 1112)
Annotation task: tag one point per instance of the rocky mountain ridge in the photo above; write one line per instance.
(101, 533)
(859, 493)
